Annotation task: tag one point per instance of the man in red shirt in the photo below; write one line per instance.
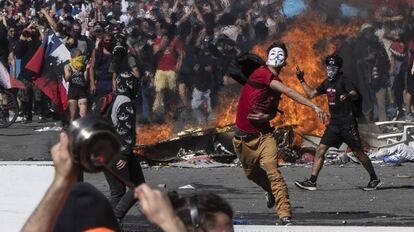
(168, 52)
(253, 141)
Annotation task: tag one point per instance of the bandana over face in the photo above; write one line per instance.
(331, 72)
(276, 57)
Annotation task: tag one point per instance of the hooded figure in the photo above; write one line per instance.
(123, 118)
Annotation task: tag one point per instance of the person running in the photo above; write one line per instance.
(342, 125)
(253, 141)
(75, 74)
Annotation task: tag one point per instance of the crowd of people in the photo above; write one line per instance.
(168, 58)
(180, 51)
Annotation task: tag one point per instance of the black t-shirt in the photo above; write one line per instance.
(204, 76)
(341, 111)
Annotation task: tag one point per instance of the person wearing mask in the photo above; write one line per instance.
(144, 59)
(122, 115)
(75, 74)
(203, 81)
(342, 125)
(253, 141)
(102, 80)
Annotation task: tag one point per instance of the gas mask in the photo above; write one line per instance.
(331, 72)
(276, 57)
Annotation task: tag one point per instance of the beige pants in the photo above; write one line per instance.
(165, 80)
(263, 151)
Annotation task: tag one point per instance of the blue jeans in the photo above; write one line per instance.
(145, 95)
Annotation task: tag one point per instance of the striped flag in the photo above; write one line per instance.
(48, 66)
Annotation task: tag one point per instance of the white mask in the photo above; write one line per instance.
(276, 57)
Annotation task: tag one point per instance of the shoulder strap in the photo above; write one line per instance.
(256, 85)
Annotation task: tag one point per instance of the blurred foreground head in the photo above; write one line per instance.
(206, 212)
(86, 209)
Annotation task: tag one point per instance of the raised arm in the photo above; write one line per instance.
(46, 213)
(49, 19)
(280, 87)
(310, 92)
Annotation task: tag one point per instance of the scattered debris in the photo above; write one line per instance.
(395, 155)
(162, 186)
(49, 128)
(188, 186)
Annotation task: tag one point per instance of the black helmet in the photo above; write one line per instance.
(121, 47)
(334, 60)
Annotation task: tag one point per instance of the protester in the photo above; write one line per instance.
(342, 125)
(102, 79)
(253, 141)
(75, 74)
(372, 70)
(122, 114)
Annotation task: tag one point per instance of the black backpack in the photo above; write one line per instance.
(243, 66)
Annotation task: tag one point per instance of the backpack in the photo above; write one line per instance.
(243, 66)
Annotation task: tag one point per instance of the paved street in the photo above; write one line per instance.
(340, 200)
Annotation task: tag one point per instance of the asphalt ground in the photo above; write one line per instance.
(339, 201)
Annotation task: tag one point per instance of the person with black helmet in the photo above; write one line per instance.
(122, 115)
(342, 125)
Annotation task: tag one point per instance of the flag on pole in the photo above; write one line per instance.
(47, 64)
(7, 81)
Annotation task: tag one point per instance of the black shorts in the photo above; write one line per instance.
(76, 93)
(335, 135)
(185, 78)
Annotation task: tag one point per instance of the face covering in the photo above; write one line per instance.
(331, 72)
(78, 62)
(276, 57)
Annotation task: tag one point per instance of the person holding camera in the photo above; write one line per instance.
(203, 211)
(24, 50)
(123, 118)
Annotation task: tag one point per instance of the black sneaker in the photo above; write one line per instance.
(285, 221)
(270, 200)
(306, 184)
(373, 185)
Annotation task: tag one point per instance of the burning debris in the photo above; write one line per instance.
(206, 147)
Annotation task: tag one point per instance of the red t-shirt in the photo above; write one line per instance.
(168, 59)
(257, 100)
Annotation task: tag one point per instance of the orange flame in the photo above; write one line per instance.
(308, 42)
(150, 134)
(226, 111)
